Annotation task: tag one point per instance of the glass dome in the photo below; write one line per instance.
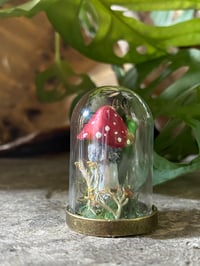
(111, 160)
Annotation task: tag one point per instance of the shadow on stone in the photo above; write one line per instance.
(187, 187)
(177, 224)
(49, 172)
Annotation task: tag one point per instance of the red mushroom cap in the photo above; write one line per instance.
(105, 126)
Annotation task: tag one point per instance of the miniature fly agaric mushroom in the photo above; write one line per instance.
(107, 133)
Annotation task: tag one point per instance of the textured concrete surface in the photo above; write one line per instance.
(33, 196)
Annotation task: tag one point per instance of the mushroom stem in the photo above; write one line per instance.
(110, 176)
(111, 180)
(106, 176)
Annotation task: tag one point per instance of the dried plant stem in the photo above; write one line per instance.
(106, 207)
(120, 202)
(84, 172)
(91, 174)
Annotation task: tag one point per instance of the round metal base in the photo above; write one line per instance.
(110, 228)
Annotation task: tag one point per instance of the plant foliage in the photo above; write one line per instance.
(161, 48)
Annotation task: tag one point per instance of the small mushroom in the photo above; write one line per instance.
(108, 135)
(105, 126)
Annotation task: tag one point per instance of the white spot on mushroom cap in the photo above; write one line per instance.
(119, 139)
(114, 123)
(98, 135)
(85, 135)
(107, 128)
(116, 132)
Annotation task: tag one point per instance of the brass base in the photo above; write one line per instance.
(110, 228)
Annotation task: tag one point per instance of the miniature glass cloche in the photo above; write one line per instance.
(111, 158)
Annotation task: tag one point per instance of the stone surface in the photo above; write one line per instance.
(33, 196)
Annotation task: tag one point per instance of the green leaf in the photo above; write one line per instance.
(152, 5)
(173, 100)
(195, 125)
(30, 8)
(170, 91)
(165, 170)
(176, 141)
(104, 27)
(144, 42)
(3, 2)
(60, 81)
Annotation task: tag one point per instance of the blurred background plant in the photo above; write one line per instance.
(153, 48)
